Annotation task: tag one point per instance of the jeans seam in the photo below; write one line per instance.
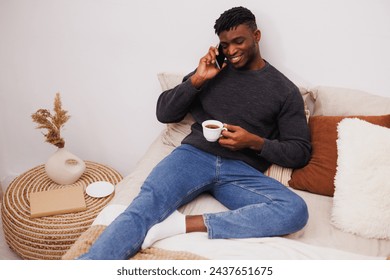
(253, 191)
(218, 163)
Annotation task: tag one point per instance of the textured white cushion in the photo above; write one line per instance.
(362, 193)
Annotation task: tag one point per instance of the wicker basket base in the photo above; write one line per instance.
(49, 237)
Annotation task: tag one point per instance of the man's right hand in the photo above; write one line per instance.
(207, 69)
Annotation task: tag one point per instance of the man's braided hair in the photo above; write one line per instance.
(232, 18)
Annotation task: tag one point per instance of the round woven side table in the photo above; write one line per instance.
(48, 238)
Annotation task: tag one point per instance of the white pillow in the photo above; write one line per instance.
(361, 203)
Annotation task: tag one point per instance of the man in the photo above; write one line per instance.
(264, 116)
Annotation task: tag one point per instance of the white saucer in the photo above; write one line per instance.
(100, 189)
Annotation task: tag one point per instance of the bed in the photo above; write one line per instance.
(324, 236)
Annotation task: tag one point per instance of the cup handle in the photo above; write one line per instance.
(223, 128)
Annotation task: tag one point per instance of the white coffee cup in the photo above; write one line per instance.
(212, 130)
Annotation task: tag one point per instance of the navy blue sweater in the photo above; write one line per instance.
(264, 102)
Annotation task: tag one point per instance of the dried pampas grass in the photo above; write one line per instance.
(52, 122)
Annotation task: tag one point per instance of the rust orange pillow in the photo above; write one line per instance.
(318, 175)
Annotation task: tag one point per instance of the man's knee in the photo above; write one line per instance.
(299, 213)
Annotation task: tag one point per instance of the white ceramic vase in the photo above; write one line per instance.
(64, 168)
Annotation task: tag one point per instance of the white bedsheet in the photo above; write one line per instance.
(270, 248)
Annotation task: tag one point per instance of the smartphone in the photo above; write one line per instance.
(220, 57)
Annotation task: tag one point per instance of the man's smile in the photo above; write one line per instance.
(235, 59)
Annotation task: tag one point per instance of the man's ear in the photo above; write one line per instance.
(257, 35)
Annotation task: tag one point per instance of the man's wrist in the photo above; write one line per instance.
(197, 81)
(257, 144)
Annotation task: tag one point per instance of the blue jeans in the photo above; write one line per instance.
(258, 205)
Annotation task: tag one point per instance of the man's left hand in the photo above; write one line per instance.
(236, 138)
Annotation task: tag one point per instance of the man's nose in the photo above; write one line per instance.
(231, 50)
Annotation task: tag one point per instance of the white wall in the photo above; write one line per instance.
(103, 57)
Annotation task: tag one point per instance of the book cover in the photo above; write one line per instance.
(59, 201)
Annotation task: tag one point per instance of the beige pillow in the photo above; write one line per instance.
(169, 80)
(174, 133)
(309, 100)
(334, 101)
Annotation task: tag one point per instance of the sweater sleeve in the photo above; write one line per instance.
(174, 104)
(292, 148)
